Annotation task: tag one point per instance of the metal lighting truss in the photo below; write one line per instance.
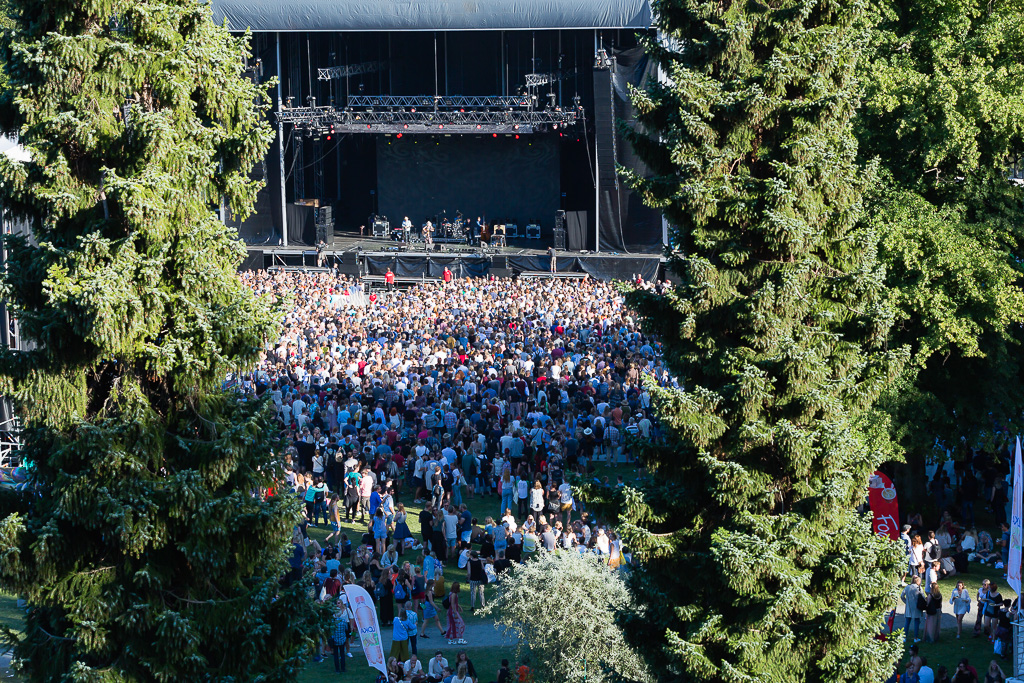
(315, 121)
(349, 70)
(439, 101)
(535, 80)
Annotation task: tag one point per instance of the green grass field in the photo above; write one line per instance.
(949, 650)
(485, 660)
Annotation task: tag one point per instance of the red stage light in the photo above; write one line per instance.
(367, 126)
(399, 135)
(440, 125)
(478, 126)
(328, 137)
(494, 135)
(517, 136)
(406, 126)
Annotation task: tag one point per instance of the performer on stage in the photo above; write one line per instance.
(478, 229)
(428, 235)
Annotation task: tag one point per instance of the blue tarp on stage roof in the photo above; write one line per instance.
(430, 15)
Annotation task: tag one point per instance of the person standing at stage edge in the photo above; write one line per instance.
(554, 259)
(389, 280)
(447, 275)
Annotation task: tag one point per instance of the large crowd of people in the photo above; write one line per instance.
(472, 398)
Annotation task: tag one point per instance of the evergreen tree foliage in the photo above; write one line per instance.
(142, 550)
(943, 113)
(754, 563)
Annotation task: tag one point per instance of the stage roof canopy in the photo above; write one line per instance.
(430, 15)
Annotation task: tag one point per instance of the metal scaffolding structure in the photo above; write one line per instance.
(413, 102)
(535, 80)
(317, 121)
(350, 70)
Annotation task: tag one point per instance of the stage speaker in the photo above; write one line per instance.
(326, 215)
(560, 239)
(323, 234)
(379, 225)
(501, 272)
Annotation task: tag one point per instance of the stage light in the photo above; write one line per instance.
(440, 125)
(399, 135)
(367, 126)
(494, 135)
(328, 138)
(462, 111)
(516, 126)
(406, 126)
(517, 136)
(478, 126)
(414, 110)
(554, 126)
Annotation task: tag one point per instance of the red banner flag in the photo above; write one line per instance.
(882, 498)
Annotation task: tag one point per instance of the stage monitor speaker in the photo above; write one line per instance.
(326, 215)
(323, 235)
(560, 239)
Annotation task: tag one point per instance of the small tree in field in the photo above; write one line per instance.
(562, 606)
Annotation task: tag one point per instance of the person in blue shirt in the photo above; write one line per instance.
(339, 635)
(411, 626)
(400, 636)
(380, 531)
(375, 500)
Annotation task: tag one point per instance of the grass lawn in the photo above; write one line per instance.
(486, 662)
(949, 650)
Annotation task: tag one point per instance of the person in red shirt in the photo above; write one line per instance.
(523, 673)
(389, 279)
(447, 275)
(332, 586)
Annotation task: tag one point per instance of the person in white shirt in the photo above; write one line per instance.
(435, 670)
(412, 668)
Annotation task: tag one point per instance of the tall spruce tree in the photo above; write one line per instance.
(143, 549)
(753, 562)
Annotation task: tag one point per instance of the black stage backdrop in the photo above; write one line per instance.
(501, 178)
(626, 223)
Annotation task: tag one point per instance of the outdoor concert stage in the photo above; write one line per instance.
(507, 111)
(368, 256)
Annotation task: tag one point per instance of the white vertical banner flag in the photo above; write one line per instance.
(369, 628)
(1016, 524)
